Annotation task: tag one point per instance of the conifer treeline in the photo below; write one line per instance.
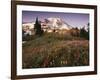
(75, 32)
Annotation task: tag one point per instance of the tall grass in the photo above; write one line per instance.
(55, 50)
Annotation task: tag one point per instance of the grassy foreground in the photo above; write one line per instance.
(55, 50)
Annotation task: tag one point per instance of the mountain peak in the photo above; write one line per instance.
(55, 22)
(51, 23)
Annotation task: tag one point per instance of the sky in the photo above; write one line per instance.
(73, 19)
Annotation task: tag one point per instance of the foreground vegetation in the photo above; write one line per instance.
(55, 50)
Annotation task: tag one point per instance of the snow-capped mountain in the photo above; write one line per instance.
(48, 25)
(51, 23)
(28, 25)
(56, 23)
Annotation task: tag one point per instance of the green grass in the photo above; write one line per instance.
(55, 50)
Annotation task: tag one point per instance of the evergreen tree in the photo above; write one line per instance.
(88, 31)
(83, 33)
(37, 28)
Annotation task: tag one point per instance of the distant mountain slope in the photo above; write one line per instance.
(51, 23)
(56, 23)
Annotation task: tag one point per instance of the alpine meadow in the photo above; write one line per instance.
(54, 39)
